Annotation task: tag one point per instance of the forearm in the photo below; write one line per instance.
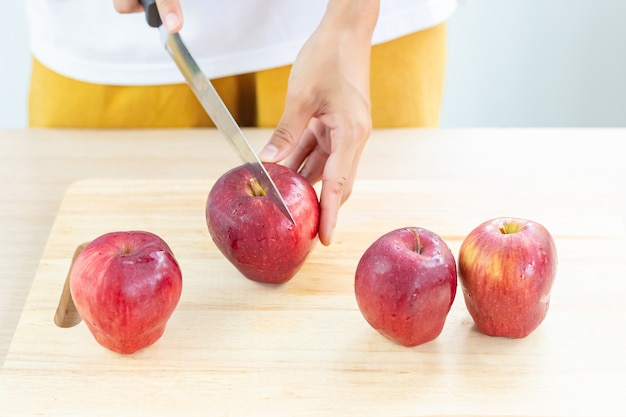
(347, 27)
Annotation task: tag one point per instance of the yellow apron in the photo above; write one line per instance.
(407, 79)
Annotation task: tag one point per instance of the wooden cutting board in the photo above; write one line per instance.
(237, 348)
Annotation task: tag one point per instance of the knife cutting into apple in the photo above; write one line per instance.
(214, 106)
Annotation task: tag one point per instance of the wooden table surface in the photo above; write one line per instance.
(38, 166)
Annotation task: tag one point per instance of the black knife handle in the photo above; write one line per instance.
(152, 13)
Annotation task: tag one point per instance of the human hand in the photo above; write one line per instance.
(170, 11)
(327, 116)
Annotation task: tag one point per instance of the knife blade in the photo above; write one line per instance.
(214, 106)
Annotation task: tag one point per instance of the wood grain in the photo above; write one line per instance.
(235, 347)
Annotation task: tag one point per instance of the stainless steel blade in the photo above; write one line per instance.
(224, 121)
(214, 106)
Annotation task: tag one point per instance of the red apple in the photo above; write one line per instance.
(251, 231)
(125, 286)
(405, 284)
(506, 269)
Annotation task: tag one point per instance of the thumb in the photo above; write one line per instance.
(287, 133)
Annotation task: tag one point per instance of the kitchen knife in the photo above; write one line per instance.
(214, 106)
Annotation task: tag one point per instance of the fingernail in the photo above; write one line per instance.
(171, 21)
(268, 153)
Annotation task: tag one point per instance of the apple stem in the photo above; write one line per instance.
(419, 246)
(509, 228)
(256, 188)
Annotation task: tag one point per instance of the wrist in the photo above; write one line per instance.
(358, 18)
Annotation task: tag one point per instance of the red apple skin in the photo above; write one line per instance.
(125, 286)
(253, 234)
(507, 267)
(405, 288)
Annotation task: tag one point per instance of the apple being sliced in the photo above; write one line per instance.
(506, 269)
(405, 284)
(251, 231)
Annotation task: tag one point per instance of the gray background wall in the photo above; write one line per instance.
(536, 63)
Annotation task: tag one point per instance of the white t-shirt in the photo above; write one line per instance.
(89, 41)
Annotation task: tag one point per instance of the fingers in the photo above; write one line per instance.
(329, 150)
(311, 152)
(289, 130)
(170, 11)
(339, 174)
(127, 6)
(171, 14)
(313, 167)
(337, 182)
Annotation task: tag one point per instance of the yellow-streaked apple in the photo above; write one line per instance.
(507, 267)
